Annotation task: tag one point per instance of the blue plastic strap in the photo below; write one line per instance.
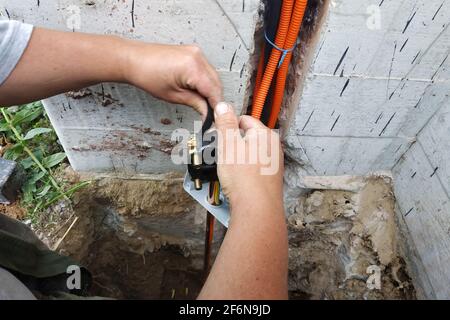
(283, 51)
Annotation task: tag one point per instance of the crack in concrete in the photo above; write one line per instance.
(241, 38)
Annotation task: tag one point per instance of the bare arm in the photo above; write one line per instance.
(56, 62)
(252, 262)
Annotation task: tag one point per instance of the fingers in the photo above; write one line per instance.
(216, 92)
(196, 101)
(209, 85)
(204, 78)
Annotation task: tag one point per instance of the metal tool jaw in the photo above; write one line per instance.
(197, 183)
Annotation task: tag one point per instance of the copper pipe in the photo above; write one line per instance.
(213, 199)
(209, 237)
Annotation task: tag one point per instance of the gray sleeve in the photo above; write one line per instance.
(14, 38)
(12, 289)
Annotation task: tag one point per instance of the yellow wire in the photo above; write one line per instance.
(217, 192)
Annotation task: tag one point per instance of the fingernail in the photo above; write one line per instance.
(222, 108)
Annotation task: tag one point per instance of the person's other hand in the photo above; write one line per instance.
(250, 167)
(177, 74)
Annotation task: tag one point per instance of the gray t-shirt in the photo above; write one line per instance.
(13, 289)
(14, 38)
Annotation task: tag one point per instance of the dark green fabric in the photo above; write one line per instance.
(29, 259)
(26, 258)
(23, 252)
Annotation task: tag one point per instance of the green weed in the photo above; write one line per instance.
(28, 138)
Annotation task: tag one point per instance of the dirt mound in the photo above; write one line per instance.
(340, 241)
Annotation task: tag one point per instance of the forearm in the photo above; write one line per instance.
(55, 62)
(252, 262)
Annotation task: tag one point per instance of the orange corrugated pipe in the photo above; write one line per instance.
(291, 39)
(280, 39)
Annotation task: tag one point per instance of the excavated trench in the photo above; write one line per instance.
(143, 239)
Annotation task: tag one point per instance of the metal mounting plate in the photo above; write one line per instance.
(221, 213)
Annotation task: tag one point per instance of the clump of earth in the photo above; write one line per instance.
(346, 245)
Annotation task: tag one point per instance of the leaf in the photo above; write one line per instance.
(53, 160)
(69, 192)
(36, 208)
(36, 177)
(27, 196)
(35, 132)
(28, 189)
(27, 163)
(37, 104)
(44, 191)
(26, 115)
(4, 127)
(14, 152)
(13, 109)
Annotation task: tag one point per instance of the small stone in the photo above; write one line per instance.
(166, 122)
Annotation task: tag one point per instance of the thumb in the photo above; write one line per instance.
(225, 117)
(227, 126)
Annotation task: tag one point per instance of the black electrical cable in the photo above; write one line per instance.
(206, 126)
(209, 120)
(271, 22)
(210, 220)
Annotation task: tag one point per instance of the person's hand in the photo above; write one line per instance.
(250, 167)
(177, 74)
(252, 263)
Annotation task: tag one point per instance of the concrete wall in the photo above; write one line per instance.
(132, 131)
(377, 73)
(422, 185)
(372, 94)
